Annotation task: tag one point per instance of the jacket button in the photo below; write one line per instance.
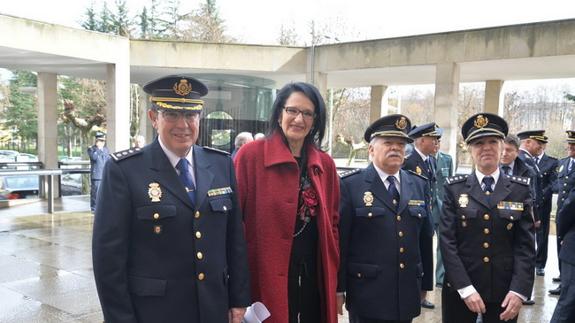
(486, 245)
(197, 215)
(369, 215)
(401, 250)
(509, 226)
(200, 256)
(398, 217)
(156, 216)
(400, 233)
(463, 217)
(486, 217)
(358, 275)
(401, 265)
(198, 234)
(485, 259)
(486, 231)
(201, 276)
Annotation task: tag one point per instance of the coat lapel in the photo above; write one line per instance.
(166, 175)
(501, 191)
(204, 176)
(406, 191)
(475, 191)
(377, 187)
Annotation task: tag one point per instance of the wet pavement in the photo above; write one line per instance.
(46, 269)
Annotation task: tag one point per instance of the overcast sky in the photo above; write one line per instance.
(259, 21)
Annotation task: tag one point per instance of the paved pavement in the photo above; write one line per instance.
(46, 268)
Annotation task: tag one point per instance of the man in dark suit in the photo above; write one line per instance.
(547, 174)
(383, 218)
(443, 170)
(168, 242)
(486, 232)
(99, 155)
(563, 185)
(565, 309)
(421, 161)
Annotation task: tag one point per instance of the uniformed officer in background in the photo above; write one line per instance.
(547, 171)
(383, 216)
(99, 155)
(422, 162)
(564, 184)
(486, 232)
(168, 243)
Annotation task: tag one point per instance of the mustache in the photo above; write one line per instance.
(394, 154)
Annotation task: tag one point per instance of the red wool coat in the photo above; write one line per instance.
(268, 184)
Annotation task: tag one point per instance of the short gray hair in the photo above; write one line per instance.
(243, 138)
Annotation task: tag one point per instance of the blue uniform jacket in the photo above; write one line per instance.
(158, 257)
(98, 158)
(381, 269)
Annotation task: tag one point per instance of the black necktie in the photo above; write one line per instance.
(570, 167)
(186, 178)
(536, 159)
(488, 182)
(393, 190)
(506, 169)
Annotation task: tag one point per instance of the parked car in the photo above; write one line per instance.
(8, 156)
(22, 186)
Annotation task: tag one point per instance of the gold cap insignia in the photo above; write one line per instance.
(509, 226)
(154, 192)
(401, 123)
(463, 200)
(418, 170)
(368, 199)
(480, 121)
(183, 88)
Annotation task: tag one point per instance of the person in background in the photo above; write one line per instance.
(289, 195)
(486, 232)
(168, 241)
(443, 170)
(259, 136)
(98, 154)
(241, 139)
(384, 218)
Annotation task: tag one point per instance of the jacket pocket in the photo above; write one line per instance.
(361, 271)
(417, 211)
(155, 212)
(147, 286)
(221, 204)
(368, 212)
(510, 215)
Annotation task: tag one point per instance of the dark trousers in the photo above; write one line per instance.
(303, 294)
(94, 185)
(542, 234)
(454, 310)
(565, 309)
(354, 318)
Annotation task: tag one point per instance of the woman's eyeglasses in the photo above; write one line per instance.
(294, 112)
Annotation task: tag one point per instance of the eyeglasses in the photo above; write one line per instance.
(174, 116)
(294, 112)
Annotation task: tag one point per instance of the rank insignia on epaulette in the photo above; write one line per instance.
(154, 192)
(418, 170)
(368, 198)
(463, 200)
(416, 203)
(521, 180)
(119, 155)
(513, 206)
(456, 179)
(349, 173)
(220, 191)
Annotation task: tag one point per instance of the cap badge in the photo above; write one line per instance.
(480, 121)
(463, 200)
(182, 88)
(154, 192)
(368, 199)
(401, 123)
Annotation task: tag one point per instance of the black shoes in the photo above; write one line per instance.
(540, 271)
(427, 304)
(555, 291)
(557, 279)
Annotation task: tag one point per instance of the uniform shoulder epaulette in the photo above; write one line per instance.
(551, 157)
(416, 174)
(348, 173)
(216, 150)
(519, 179)
(456, 179)
(123, 154)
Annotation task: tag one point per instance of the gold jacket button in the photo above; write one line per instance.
(486, 231)
(369, 215)
(201, 276)
(398, 217)
(509, 226)
(198, 234)
(156, 216)
(358, 275)
(463, 217)
(401, 250)
(200, 255)
(486, 217)
(401, 265)
(400, 233)
(464, 224)
(197, 215)
(486, 245)
(485, 259)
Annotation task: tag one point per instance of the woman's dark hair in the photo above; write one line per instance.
(315, 136)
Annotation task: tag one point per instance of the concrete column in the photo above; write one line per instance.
(493, 97)
(315, 77)
(118, 106)
(48, 121)
(446, 103)
(376, 100)
(146, 128)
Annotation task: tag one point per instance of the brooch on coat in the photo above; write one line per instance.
(154, 192)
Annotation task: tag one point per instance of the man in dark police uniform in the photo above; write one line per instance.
(168, 242)
(486, 233)
(383, 214)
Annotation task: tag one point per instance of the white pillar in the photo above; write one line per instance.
(493, 97)
(118, 106)
(376, 101)
(446, 104)
(146, 128)
(48, 121)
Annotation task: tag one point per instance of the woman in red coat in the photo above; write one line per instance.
(289, 195)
